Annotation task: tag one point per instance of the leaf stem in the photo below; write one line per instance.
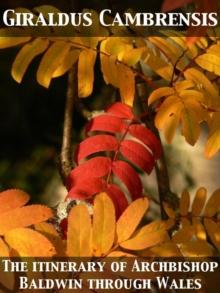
(66, 161)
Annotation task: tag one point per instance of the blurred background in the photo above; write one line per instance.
(31, 120)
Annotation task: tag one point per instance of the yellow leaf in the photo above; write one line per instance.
(23, 217)
(103, 224)
(29, 243)
(118, 47)
(184, 85)
(213, 231)
(159, 93)
(213, 204)
(25, 57)
(79, 232)
(126, 84)
(203, 83)
(147, 236)
(196, 248)
(213, 143)
(170, 51)
(10, 37)
(180, 39)
(86, 72)
(108, 66)
(184, 203)
(202, 42)
(11, 199)
(131, 218)
(191, 96)
(209, 62)
(171, 126)
(156, 62)
(172, 105)
(133, 56)
(70, 59)
(199, 201)
(185, 106)
(51, 60)
(190, 126)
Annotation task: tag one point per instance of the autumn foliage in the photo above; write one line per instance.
(120, 133)
(101, 235)
(112, 218)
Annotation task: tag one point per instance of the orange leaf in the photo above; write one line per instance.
(103, 224)
(23, 217)
(169, 211)
(49, 231)
(196, 248)
(199, 229)
(148, 236)
(167, 249)
(185, 233)
(4, 250)
(119, 253)
(130, 218)
(213, 232)
(6, 278)
(12, 199)
(126, 84)
(213, 204)
(79, 232)
(184, 203)
(29, 243)
(199, 201)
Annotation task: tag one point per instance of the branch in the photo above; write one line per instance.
(66, 162)
(163, 182)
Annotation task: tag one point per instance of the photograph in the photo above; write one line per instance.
(110, 146)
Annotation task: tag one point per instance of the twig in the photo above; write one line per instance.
(66, 162)
(175, 65)
(163, 182)
(136, 72)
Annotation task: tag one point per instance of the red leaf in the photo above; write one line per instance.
(137, 154)
(169, 5)
(121, 110)
(86, 188)
(95, 167)
(118, 198)
(147, 137)
(95, 144)
(130, 178)
(106, 123)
